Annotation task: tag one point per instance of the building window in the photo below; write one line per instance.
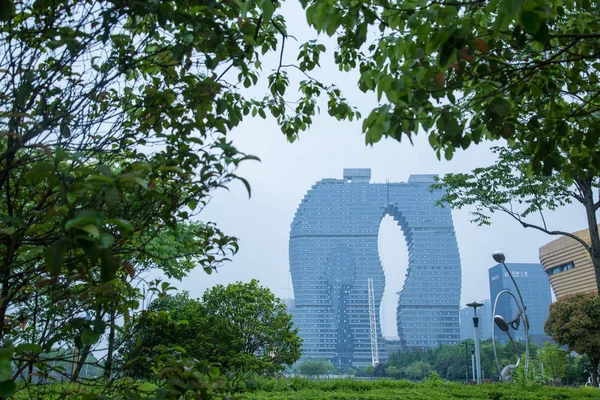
(560, 268)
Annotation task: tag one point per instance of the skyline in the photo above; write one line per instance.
(288, 170)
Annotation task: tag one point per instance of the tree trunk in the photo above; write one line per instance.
(111, 346)
(595, 362)
(36, 310)
(590, 211)
(81, 360)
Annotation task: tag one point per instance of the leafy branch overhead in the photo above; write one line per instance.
(114, 117)
(510, 186)
(506, 186)
(466, 71)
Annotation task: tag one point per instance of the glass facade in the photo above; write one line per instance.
(334, 250)
(535, 289)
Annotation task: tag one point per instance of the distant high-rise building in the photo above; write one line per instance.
(484, 313)
(334, 251)
(569, 265)
(289, 304)
(535, 289)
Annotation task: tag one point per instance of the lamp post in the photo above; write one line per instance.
(476, 331)
(473, 364)
(467, 362)
(504, 326)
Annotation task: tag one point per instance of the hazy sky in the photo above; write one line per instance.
(287, 171)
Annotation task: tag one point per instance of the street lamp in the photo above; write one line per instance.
(476, 331)
(514, 323)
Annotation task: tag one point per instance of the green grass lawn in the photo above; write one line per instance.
(288, 389)
(349, 389)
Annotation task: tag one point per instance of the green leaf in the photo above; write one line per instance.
(89, 337)
(446, 52)
(433, 140)
(135, 179)
(9, 230)
(111, 197)
(7, 10)
(421, 95)
(512, 7)
(245, 8)
(106, 240)
(30, 348)
(76, 222)
(71, 197)
(5, 368)
(100, 178)
(171, 168)
(99, 326)
(7, 388)
(108, 266)
(55, 255)
(448, 154)
(247, 185)
(104, 170)
(38, 172)
(531, 22)
(125, 226)
(501, 107)
(91, 229)
(268, 9)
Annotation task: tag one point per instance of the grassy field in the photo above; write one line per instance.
(297, 389)
(349, 389)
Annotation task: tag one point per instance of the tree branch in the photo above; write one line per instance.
(546, 231)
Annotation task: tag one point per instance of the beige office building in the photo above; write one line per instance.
(568, 265)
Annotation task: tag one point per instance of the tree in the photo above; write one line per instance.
(574, 321)
(242, 327)
(465, 71)
(417, 370)
(449, 362)
(114, 117)
(468, 71)
(170, 321)
(507, 186)
(392, 372)
(250, 328)
(555, 361)
(315, 368)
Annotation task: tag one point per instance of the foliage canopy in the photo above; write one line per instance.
(508, 187)
(114, 117)
(575, 321)
(241, 326)
(523, 71)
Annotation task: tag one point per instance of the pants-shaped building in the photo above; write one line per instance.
(334, 251)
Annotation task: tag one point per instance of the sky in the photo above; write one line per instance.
(288, 170)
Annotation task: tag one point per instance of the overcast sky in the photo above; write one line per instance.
(287, 171)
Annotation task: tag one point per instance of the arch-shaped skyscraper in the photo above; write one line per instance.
(334, 250)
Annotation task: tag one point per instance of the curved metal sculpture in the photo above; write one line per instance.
(514, 323)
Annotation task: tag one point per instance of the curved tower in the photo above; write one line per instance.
(334, 251)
